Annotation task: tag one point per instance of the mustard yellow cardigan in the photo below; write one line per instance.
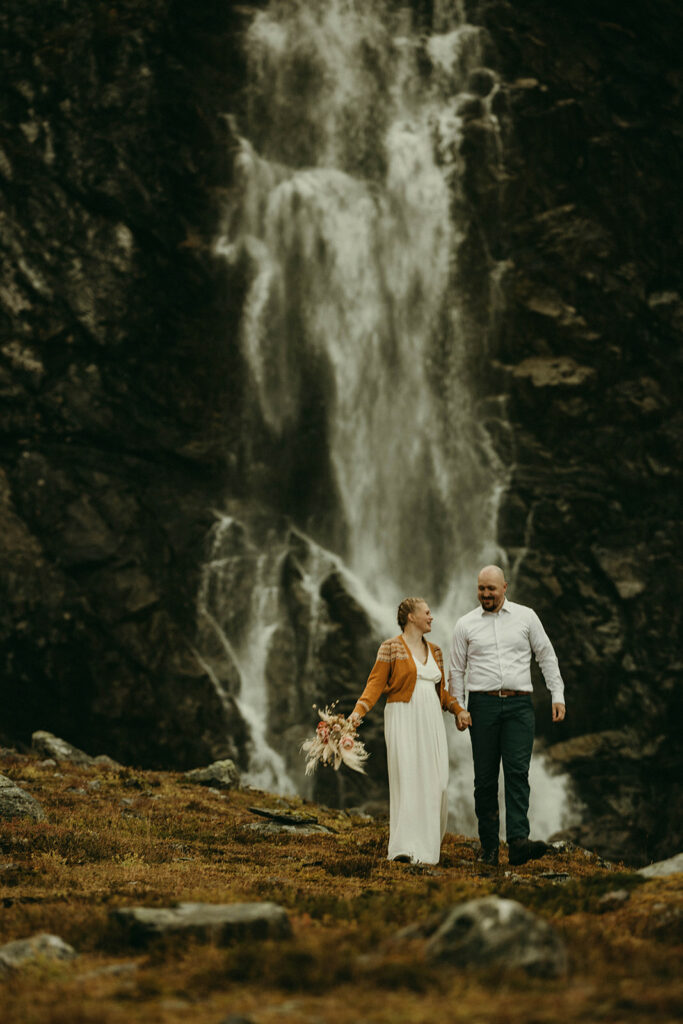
(395, 674)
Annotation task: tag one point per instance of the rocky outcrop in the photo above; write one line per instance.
(592, 314)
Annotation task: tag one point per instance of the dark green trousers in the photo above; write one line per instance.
(502, 730)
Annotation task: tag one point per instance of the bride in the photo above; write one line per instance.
(409, 670)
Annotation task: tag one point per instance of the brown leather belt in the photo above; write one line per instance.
(505, 693)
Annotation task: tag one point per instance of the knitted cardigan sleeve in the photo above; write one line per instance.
(448, 703)
(377, 680)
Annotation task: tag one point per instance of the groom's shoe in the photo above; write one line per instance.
(522, 850)
(488, 855)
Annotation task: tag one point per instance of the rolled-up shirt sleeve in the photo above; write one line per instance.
(457, 665)
(544, 653)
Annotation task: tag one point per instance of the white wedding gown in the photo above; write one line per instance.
(417, 758)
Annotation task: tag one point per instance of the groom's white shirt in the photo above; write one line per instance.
(494, 650)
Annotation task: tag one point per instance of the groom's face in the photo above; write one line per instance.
(491, 589)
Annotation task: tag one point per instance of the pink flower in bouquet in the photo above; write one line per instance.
(347, 742)
(337, 727)
(323, 731)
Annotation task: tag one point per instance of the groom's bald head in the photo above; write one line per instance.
(491, 587)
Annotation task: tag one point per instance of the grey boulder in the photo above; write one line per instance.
(14, 955)
(662, 868)
(220, 923)
(493, 932)
(48, 745)
(17, 803)
(221, 775)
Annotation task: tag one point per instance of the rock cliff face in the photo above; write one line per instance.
(113, 365)
(123, 412)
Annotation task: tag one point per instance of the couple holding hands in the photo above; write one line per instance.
(492, 646)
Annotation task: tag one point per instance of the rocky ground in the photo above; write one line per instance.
(307, 921)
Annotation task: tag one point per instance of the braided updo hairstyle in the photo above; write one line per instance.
(408, 605)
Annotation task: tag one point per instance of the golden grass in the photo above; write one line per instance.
(150, 838)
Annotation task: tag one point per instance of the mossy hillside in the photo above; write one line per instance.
(122, 838)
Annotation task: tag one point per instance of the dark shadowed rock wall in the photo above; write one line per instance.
(589, 354)
(123, 420)
(115, 364)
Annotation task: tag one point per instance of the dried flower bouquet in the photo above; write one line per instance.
(335, 743)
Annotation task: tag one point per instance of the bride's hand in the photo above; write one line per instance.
(355, 719)
(462, 720)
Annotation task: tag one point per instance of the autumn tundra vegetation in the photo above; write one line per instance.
(350, 935)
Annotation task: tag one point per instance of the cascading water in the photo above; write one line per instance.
(347, 222)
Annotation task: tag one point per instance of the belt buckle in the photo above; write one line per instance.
(502, 695)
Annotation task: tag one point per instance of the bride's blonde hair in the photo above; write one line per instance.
(408, 605)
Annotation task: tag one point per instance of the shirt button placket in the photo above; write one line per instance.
(500, 661)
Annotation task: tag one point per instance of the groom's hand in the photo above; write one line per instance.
(462, 720)
(558, 712)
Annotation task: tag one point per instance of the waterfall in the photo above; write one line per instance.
(348, 221)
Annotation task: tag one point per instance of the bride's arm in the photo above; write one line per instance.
(376, 684)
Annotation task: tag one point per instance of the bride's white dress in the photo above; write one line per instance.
(417, 757)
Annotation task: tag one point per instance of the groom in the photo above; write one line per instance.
(494, 644)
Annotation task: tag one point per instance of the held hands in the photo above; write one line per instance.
(462, 720)
(558, 712)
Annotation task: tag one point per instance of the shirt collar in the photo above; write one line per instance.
(505, 607)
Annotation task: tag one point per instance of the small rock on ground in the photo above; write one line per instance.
(17, 803)
(273, 828)
(221, 775)
(498, 932)
(221, 923)
(613, 900)
(46, 744)
(14, 955)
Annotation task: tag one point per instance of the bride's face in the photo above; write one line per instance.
(422, 618)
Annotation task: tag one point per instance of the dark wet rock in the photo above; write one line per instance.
(611, 770)
(43, 947)
(468, 107)
(17, 803)
(220, 775)
(493, 932)
(482, 81)
(284, 816)
(220, 923)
